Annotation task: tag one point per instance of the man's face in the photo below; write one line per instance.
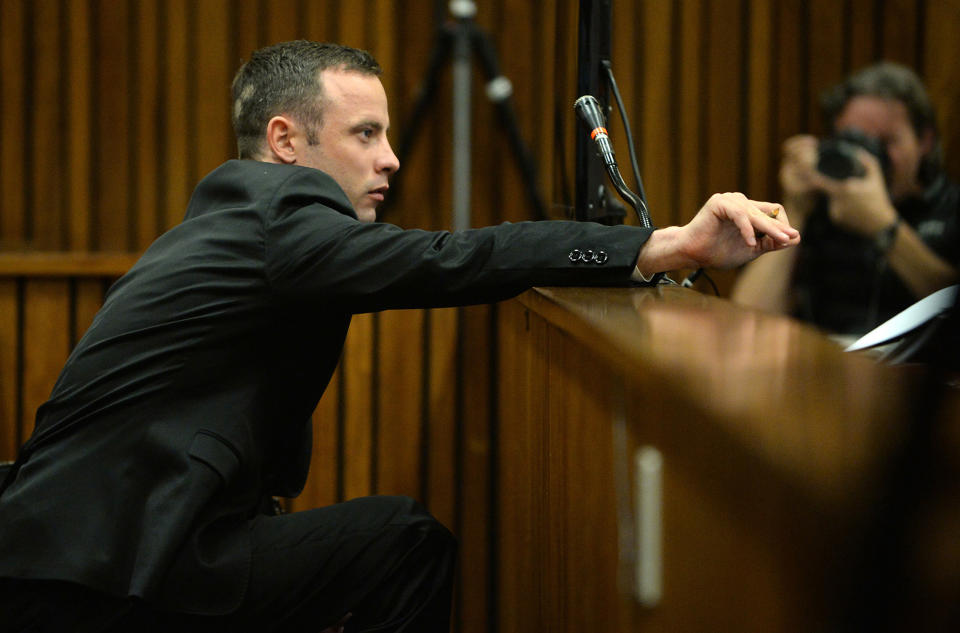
(888, 121)
(353, 147)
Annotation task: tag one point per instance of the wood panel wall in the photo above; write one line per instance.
(112, 110)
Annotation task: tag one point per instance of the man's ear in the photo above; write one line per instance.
(280, 132)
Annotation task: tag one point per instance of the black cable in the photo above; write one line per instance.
(716, 290)
(634, 163)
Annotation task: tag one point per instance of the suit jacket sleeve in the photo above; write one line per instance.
(320, 251)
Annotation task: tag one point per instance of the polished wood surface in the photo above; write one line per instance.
(744, 368)
(773, 443)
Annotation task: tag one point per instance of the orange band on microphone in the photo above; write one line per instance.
(597, 131)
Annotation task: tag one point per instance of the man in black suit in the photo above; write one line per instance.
(138, 502)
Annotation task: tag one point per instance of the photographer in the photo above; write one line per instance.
(883, 231)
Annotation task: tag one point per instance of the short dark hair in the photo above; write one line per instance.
(895, 82)
(285, 79)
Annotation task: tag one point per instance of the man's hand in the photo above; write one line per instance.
(729, 230)
(860, 205)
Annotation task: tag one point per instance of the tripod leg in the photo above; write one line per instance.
(438, 58)
(499, 91)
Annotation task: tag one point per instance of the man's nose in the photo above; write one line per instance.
(388, 161)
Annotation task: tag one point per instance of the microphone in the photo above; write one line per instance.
(588, 109)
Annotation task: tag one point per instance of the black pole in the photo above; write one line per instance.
(593, 48)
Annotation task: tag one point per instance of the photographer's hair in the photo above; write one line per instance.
(285, 79)
(888, 80)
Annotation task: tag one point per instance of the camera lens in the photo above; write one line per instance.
(837, 156)
(838, 160)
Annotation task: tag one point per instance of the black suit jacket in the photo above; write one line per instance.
(190, 396)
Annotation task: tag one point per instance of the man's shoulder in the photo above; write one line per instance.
(259, 184)
(257, 176)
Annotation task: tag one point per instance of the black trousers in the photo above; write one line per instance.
(383, 563)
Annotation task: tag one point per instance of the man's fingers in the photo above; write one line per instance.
(757, 220)
(739, 210)
(774, 212)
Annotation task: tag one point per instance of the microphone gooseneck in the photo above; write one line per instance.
(588, 109)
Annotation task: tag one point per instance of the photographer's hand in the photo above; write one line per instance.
(860, 205)
(798, 172)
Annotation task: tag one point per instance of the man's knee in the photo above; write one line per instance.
(434, 534)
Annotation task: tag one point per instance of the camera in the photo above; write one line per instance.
(837, 156)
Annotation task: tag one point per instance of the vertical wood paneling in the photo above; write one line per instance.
(9, 368)
(46, 342)
(655, 132)
(383, 40)
(323, 481)
(523, 397)
(351, 24)
(44, 125)
(78, 121)
(862, 33)
(442, 460)
(147, 79)
(176, 143)
(13, 123)
(475, 453)
(87, 299)
(247, 30)
(357, 377)
(761, 147)
(690, 131)
(129, 89)
(543, 141)
(555, 464)
(827, 44)
(900, 31)
(214, 71)
(282, 21)
(580, 437)
(400, 371)
(943, 73)
(724, 153)
(111, 140)
(791, 106)
(560, 196)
